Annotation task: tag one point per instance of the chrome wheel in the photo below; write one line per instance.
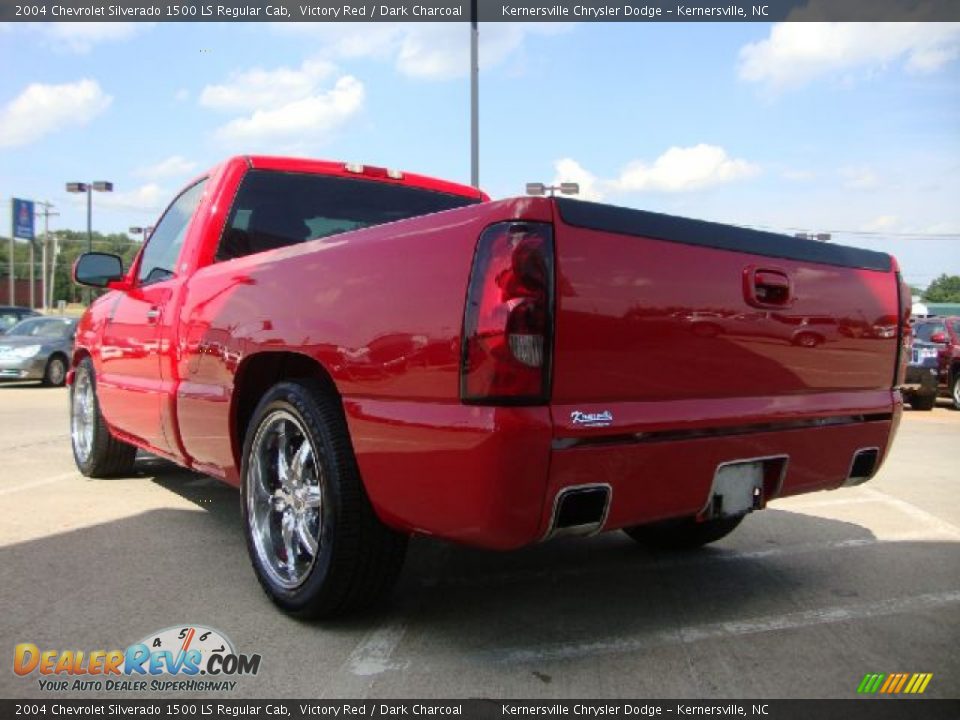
(285, 499)
(83, 416)
(956, 392)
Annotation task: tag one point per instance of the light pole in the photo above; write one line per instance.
(474, 97)
(88, 188)
(145, 231)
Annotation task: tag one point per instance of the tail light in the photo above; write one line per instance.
(904, 329)
(508, 321)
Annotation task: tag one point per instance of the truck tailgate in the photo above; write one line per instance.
(667, 323)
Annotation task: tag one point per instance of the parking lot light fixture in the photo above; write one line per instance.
(88, 188)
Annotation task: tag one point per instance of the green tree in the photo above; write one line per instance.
(71, 243)
(945, 289)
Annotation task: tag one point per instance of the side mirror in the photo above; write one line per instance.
(939, 337)
(97, 269)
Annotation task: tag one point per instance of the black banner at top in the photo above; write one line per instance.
(487, 10)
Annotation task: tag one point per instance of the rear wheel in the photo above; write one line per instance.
(55, 374)
(683, 534)
(96, 452)
(922, 402)
(955, 389)
(316, 544)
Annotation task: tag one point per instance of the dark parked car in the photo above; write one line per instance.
(920, 388)
(944, 333)
(38, 348)
(10, 315)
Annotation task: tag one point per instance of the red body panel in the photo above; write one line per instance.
(380, 310)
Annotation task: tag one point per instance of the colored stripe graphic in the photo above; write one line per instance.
(870, 683)
(894, 683)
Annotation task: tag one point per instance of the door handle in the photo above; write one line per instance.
(152, 314)
(767, 287)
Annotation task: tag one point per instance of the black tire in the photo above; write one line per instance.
(922, 402)
(107, 456)
(358, 558)
(55, 374)
(955, 389)
(807, 340)
(683, 534)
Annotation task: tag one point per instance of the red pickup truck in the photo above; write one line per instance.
(369, 354)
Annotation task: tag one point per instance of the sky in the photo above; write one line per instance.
(847, 128)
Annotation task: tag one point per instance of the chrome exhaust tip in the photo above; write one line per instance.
(864, 466)
(580, 510)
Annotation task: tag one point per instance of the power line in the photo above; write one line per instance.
(862, 233)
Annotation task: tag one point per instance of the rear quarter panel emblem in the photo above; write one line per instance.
(595, 419)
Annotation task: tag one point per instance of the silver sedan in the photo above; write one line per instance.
(38, 349)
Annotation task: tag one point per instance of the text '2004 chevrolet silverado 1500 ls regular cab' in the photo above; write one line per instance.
(369, 354)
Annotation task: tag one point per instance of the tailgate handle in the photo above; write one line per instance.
(767, 287)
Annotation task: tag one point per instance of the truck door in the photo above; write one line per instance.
(135, 375)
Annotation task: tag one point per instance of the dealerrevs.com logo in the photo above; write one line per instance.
(180, 658)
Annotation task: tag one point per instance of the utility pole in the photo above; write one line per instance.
(13, 231)
(47, 213)
(474, 97)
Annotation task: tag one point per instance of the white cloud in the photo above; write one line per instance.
(259, 89)
(859, 178)
(81, 37)
(569, 170)
(881, 223)
(797, 52)
(677, 170)
(304, 120)
(428, 51)
(149, 198)
(680, 169)
(173, 166)
(42, 109)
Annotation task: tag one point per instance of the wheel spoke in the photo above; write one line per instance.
(307, 540)
(299, 464)
(283, 465)
(313, 497)
(287, 531)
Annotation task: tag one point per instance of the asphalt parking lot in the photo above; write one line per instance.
(802, 601)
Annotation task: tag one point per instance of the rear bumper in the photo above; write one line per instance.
(490, 477)
(922, 379)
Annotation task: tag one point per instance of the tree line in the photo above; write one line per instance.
(71, 243)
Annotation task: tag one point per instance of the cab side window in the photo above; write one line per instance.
(159, 259)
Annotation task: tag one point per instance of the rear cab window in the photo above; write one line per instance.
(274, 209)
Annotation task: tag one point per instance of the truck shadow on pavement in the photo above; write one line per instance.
(115, 582)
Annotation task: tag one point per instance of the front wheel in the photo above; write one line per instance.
(955, 390)
(683, 534)
(315, 543)
(96, 452)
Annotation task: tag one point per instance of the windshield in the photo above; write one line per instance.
(275, 209)
(49, 328)
(8, 320)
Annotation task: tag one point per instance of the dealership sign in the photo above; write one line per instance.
(23, 219)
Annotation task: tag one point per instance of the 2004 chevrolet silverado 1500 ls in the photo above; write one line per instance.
(370, 354)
